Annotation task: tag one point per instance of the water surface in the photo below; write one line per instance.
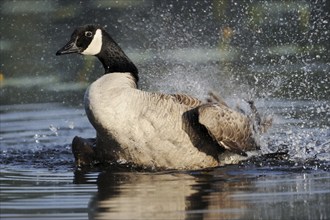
(39, 180)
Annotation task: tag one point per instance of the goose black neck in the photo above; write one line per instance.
(114, 59)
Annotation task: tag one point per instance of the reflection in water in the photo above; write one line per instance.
(163, 196)
(230, 192)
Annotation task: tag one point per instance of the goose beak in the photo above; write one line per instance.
(70, 47)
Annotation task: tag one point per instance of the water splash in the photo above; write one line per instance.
(70, 124)
(302, 129)
(54, 129)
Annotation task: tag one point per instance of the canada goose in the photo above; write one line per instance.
(151, 130)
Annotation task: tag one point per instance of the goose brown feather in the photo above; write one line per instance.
(229, 128)
(187, 100)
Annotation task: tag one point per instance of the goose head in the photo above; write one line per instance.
(86, 40)
(94, 40)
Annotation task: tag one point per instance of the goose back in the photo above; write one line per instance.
(145, 128)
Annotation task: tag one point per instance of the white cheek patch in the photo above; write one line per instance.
(95, 46)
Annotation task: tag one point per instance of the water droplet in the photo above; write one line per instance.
(36, 138)
(53, 129)
(71, 125)
(121, 161)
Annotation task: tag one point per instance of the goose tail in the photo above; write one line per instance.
(261, 122)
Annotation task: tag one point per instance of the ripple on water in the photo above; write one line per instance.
(41, 194)
(35, 125)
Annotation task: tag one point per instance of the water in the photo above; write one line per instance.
(227, 193)
(278, 57)
(39, 180)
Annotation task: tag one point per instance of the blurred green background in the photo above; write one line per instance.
(275, 48)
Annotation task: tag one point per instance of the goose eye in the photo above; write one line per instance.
(88, 34)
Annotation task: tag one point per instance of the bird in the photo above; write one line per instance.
(152, 130)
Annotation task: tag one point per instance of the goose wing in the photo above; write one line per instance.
(186, 100)
(229, 128)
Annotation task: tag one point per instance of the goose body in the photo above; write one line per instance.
(152, 130)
